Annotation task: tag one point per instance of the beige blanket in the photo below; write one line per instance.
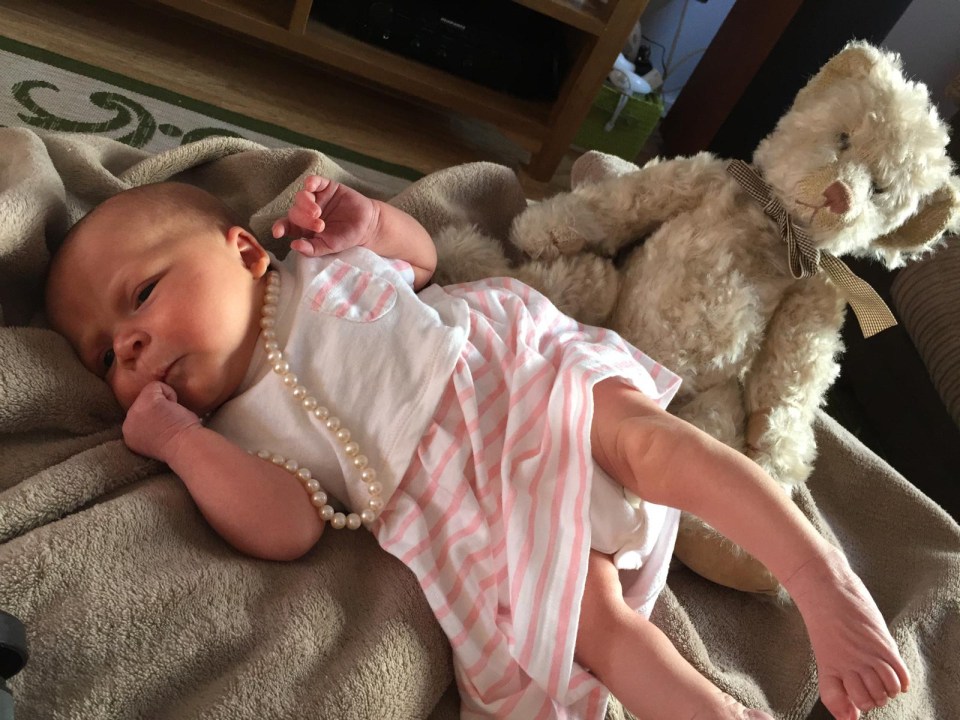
(135, 608)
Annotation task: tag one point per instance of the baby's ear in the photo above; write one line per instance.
(254, 257)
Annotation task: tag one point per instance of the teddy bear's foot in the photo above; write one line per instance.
(712, 556)
(584, 287)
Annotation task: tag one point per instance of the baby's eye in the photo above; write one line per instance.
(145, 293)
(843, 141)
(108, 357)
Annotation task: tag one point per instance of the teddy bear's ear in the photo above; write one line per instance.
(939, 213)
(854, 61)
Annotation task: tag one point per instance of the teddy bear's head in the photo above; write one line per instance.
(860, 159)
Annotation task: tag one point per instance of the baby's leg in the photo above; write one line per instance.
(669, 462)
(638, 663)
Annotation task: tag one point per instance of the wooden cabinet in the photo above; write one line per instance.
(595, 32)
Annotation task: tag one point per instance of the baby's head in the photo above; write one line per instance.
(161, 283)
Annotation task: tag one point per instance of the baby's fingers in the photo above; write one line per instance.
(280, 228)
(315, 183)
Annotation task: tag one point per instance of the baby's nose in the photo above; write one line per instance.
(129, 345)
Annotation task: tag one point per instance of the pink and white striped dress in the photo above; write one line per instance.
(490, 500)
(493, 515)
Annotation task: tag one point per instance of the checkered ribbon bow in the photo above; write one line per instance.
(806, 260)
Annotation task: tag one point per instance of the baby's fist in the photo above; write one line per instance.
(155, 421)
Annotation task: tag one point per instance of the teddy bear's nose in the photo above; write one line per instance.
(837, 195)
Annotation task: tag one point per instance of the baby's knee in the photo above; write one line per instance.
(601, 616)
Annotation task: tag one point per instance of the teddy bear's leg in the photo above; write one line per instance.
(582, 286)
(464, 254)
(789, 378)
(718, 411)
(714, 557)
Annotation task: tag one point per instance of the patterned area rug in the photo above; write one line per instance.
(43, 90)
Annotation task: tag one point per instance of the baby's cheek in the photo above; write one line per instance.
(125, 392)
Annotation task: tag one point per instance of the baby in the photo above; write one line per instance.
(514, 459)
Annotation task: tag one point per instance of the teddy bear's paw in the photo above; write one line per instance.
(786, 448)
(464, 254)
(547, 230)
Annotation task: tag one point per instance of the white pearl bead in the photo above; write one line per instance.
(280, 365)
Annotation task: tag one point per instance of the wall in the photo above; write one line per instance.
(662, 29)
(927, 36)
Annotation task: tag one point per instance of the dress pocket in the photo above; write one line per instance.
(349, 293)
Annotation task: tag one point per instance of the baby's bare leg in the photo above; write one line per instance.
(638, 663)
(669, 462)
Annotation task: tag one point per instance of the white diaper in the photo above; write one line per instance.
(638, 534)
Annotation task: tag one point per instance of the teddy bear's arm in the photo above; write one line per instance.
(614, 211)
(789, 377)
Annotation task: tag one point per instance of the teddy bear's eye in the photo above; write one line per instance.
(876, 189)
(843, 141)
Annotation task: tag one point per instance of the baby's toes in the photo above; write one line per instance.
(834, 697)
(893, 682)
(876, 689)
(858, 692)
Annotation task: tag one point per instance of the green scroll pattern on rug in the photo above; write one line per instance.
(129, 114)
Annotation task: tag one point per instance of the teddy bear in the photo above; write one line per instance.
(729, 273)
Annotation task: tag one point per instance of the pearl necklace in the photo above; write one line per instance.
(312, 407)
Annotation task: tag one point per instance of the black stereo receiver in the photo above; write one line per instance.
(496, 43)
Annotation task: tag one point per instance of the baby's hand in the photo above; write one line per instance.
(155, 420)
(328, 217)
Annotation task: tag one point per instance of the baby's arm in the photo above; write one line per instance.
(256, 506)
(328, 217)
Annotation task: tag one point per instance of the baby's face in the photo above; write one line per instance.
(142, 300)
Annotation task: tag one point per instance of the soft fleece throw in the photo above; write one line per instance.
(135, 608)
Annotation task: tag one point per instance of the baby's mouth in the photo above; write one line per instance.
(165, 372)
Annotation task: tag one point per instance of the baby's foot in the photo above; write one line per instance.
(858, 663)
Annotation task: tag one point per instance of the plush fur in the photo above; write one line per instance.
(859, 161)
